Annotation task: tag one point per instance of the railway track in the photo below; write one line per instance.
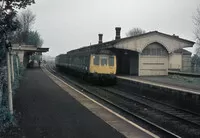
(179, 113)
(172, 105)
(167, 119)
(188, 121)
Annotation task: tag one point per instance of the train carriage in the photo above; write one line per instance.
(99, 65)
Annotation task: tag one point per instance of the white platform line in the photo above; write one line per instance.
(111, 111)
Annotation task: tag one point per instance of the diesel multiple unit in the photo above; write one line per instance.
(98, 65)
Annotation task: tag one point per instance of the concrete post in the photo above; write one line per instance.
(139, 64)
(12, 67)
(10, 102)
(17, 66)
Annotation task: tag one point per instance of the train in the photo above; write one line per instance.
(97, 66)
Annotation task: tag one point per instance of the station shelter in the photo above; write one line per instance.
(26, 51)
(151, 53)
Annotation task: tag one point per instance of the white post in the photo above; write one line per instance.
(17, 66)
(10, 102)
(139, 64)
(12, 67)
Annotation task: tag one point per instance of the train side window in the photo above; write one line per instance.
(96, 60)
(111, 61)
(104, 60)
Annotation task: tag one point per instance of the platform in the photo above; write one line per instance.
(46, 110)
(173, 82)
(190, 74)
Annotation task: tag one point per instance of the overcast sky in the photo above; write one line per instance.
(68, 24)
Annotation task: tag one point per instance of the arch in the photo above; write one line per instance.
(158, 42)
(153, 60)
(155, 49)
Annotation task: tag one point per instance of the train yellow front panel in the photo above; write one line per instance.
(102, 69)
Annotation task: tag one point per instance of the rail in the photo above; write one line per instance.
(117, 106)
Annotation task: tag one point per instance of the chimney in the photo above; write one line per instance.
(118, 29)
(100, 38)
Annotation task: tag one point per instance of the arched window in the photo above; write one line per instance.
(154, 49)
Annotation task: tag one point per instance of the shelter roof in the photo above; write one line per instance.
(113, 42)
(29, 48)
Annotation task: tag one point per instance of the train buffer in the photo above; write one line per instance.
(47, 110)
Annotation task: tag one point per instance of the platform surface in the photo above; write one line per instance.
(185, 73)
(171, 81)
(48, 111)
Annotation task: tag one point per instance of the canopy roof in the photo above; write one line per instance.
(139, 42)
(29, 48)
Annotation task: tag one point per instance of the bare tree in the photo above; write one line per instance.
(25, 35)
(135, 31)
(196, 20)
(26, 20)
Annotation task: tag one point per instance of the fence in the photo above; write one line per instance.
(192, 69)
(6, 119)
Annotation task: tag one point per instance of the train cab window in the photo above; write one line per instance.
(104, 60)
(111, 61)
(96, 60)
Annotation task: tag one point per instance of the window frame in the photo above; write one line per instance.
(104, 57)
(113, 61)
(94, 57)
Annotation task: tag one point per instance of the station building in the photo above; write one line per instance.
(152, 53)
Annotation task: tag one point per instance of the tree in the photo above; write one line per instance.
(8, 22)
(24, 34)
(34, 39)
(196, 20)
(135, 32)
(8, 11)
(26, 20)
(195, 62)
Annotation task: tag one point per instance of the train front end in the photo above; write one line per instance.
(103, 67)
